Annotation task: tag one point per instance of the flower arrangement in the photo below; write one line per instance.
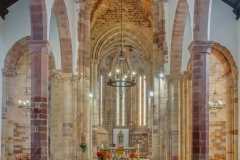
(132, 155)
(108, 155)
(99, 155)
(113, 145)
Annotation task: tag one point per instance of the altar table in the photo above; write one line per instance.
(118, 151)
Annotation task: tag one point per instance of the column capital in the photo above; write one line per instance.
(9, 73)
(200, 47)
(76, 77)
(54, 74)
(94, 61)
(39, 46)
(66, 77)
(175, 77)
(187, 75)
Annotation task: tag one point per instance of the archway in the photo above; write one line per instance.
(223, 73)
(16, 79)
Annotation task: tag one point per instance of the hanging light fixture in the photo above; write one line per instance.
(215, 105)
(120, 76)
(25, 104)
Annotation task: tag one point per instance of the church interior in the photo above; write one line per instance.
(119, 79)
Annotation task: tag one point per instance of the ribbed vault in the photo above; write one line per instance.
(102, 5)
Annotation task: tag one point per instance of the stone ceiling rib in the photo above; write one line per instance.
(101, 5)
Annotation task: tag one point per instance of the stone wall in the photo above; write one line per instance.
(217, 126)
(21, 125)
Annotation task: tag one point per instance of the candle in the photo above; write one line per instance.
(102, 146)
(138, 146)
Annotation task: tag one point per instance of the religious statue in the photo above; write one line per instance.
(120, 137)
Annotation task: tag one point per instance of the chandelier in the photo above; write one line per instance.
(120, 76)
(25, 104)
(215, 105)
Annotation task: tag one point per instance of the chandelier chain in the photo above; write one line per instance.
(26, 73)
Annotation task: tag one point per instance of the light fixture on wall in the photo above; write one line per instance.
(215, 105)
(25, 104)
(162, 73)
(120, 76)
(150, 94)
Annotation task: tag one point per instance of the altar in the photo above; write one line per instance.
(115, 151)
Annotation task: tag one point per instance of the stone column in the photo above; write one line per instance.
(149, 88)
(74, 115)
(235, 114)
(200, 97)
(155, 115)
(8, 114)
(174, 115)
(67, 115)
(229, 117)
(189, 116)
(158, 61)
(162, 118)
(40, 51)
(84, 83)
(56, 116)
(183, 117)
(94, 105)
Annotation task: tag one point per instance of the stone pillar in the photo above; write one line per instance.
(155, 115)
(182, 119)
(229, 117)
(8, 114)
(200, 97)
(235, 115)
(84, 83)
(158, 61)
(94, 105)
(174, 115)
(74, 115)
(189, 116)
(56, 116)
(162, 118)
(40, 51)
(149, 88)
(67, 115)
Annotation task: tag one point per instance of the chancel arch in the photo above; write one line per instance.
(128, 110)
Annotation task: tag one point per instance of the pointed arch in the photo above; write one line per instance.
(177, 36)
(38, 15)
(224, 56)
(60, 10)
(17, 50)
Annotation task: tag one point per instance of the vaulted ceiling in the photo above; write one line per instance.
(100, 6)
(106, 29)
